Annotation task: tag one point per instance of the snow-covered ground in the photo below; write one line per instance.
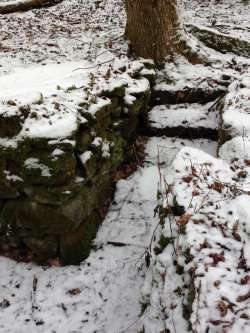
(200, 271)
(103, 293)
(222, 15)
(42, 49)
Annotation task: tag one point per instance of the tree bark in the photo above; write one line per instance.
(154, 29)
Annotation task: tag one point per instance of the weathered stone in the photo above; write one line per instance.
(49, 169)
(43, 248)
(11, 118)
(221, 42)
(75, 246)
(116, 91)
(63, 184)
(9, 183)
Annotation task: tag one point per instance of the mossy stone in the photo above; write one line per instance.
(75, 246)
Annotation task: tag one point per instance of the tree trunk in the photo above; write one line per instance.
(154, 29)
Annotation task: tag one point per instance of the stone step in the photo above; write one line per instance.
(184, 120)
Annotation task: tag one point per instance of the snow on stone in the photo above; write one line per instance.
(201, 275)
(27, 82)
(55, 108)
(236, 110)
(97, 141)
(138, 86)
(86, 156)
(34, 163)
(236, 148)
(57, 152)
(99, 104)
(106, 148)
(129, 99)
(12, 177)
(58, 123)
(185, 115)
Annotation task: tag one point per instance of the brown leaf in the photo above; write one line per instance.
(194, 172)
(245, 280)
(242, 174)
(222, 307)
(217, 283)
(217, 257)
(196, 221)
(74, 292)
(195, 193)
(183, 220)
(245, 316)
(187, 179)
(215, 322)
(217, 186)
(243, 298)
(235, 234)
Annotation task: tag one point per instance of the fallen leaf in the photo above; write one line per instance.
(74, 292)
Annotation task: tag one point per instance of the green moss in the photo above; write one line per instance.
(187, 254)
(178, 291)
(54, 210)
(163, 243)
(71, 88)
(118, 91)
(179, 269)
(182, 229)
(177, 209)
(75, 247)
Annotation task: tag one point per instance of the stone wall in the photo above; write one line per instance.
(53, 187)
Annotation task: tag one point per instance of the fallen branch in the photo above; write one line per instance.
(23, 5)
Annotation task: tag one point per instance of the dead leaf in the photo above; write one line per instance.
(243, 298)
(217, 186)
(187, 179)
(222, 307)
(217, 257)
(235, 234)
(74, 292)
(183, 220)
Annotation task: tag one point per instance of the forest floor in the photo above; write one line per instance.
(41, 49)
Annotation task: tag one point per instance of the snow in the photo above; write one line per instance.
(138, 87)
(236, 110)
(216, 219)
(229, 17)
(34, 163)
(57, 152)
(99, 104)
(86, 156)
(106, 149)
(57, 51)
(12, 177)
(185, 115)
(236, 148)
(43, 79)
(110, 280)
